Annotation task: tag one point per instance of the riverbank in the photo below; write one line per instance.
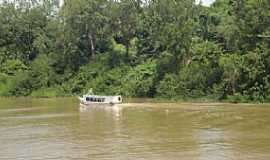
(141, 101)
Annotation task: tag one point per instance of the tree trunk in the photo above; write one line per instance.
(92, 44)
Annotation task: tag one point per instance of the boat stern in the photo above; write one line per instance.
(117, 99)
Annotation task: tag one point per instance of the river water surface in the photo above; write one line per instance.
(58, 129)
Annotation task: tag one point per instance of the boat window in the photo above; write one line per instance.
(119, 98)
(88, 99)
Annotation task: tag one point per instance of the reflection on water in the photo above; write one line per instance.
(114, 110)
(214, 144)
(60, 129)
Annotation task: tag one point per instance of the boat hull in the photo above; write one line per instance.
(83, 104)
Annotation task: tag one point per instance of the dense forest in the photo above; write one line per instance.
(173, 49)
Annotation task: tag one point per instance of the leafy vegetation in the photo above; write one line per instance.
(173, 49)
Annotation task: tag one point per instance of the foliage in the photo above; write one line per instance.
(168, 87)
(154, 48)
(10, 67)
(140, 80)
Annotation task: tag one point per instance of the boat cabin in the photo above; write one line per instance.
(95, 99)
(91, 99)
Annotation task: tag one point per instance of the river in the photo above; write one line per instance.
(58, 129)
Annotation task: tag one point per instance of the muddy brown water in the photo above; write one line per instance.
(58, 129)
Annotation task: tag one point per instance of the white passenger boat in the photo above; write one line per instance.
(93, 100)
